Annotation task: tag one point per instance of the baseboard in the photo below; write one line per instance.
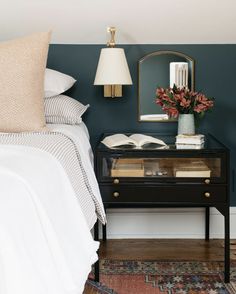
(188, 223)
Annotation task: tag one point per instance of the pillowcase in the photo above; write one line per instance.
(22, 64)
(63, 109)
(56, 83)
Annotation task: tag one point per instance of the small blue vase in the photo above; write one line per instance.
(186, 124)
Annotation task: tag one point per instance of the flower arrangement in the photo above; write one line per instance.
(175, 101)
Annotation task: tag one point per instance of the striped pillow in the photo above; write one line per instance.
(63, 109)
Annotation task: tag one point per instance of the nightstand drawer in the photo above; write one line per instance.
(162, 194)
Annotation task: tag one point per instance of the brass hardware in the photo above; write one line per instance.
(116, 194)
(207, 181)
(111, 43)
(207, 194)
(112, 91)
(116, 181)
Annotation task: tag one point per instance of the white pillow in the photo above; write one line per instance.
(56, 82)
(63, 109)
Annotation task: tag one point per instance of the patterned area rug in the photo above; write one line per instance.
(92, 287)
(152, 277)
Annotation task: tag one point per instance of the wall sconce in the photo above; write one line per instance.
(112, 70)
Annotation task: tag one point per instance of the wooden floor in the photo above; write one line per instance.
(163, 249)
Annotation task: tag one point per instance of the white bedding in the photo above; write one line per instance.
(45, 243)
(74, 160)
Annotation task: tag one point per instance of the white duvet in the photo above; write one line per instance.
(45, 244)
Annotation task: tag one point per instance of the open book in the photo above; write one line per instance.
(137, 140)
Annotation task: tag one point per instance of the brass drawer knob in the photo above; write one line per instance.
(116, 181)
(116, 194)
(207, 181)
(207, 194)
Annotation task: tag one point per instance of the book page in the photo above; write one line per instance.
(117, 140)
(141, 140)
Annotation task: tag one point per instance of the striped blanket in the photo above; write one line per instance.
(66, 152)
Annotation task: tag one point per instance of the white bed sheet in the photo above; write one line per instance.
(45, 244)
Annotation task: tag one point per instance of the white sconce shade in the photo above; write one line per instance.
(112, 68)
(179, 74)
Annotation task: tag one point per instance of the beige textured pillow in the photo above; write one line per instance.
(22, 68)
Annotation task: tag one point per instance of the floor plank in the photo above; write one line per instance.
(164, 249)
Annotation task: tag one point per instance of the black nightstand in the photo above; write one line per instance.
(154, 177)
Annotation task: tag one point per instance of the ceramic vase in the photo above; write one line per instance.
(186, 124)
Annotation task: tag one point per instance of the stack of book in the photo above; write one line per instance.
(195, 168)
(128, 167)
(190, 141)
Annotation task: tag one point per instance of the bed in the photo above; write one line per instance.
(49, 196)
(49, 202)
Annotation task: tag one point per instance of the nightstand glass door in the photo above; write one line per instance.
(159, 168)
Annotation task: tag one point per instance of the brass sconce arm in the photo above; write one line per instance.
(111, 43)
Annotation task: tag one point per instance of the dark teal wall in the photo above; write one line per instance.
(215, 75)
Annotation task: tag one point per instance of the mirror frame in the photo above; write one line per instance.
(162, 52)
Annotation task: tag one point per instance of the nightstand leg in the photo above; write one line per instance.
(227, 246)
(96, 265)
(207, 223)
(96, 232)
(104, 231)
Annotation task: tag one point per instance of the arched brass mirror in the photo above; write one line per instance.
(160, 69)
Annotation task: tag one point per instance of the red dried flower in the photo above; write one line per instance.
(175, 101)
(185, 102)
